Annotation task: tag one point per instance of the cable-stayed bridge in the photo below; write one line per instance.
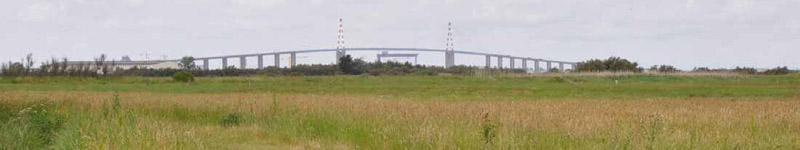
(341, 50)
(450, 56)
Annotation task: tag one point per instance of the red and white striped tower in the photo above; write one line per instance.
(449, 54)
(340, 39)
(340, 52)
(449, 45)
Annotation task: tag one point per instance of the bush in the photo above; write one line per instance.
(663, 68)
(553, 70)
(488, 130)
(614, 64)
(183, 76)
(744, 70)
(778, 71)
(231, 119)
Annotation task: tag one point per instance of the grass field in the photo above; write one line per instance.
(402, 112)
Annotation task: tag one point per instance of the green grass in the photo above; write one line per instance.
(443, 88)
(401, 112)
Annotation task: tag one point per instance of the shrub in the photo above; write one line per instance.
(231, 119)
(488, 130)
(744, 70)
(183, 76)
(778, 71)
(614, 64)
(553, 70)
(663, 68)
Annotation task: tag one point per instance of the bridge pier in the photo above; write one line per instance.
(339, 54)
(293, 59)
(499, 62)
(511, 62)
(205, 64)
(488, 61)
(561, 67)
(536, 66)
(449, 59)
(224, 63)
(242, 62)
(525, 64)
(260, 61)
(278, 60)
(548, 66)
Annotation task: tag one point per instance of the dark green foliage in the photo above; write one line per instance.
(230, 120)
(183, 76)
(594, 65)
(613, 64)
(488, 129)
(553, 70)
(187, 63)
(5, 113)
(34, 127)
(663, 68)
(744, 70)
(12, 69)
(349, 66)
(778, 71)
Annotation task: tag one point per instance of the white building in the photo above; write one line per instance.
(127, 63)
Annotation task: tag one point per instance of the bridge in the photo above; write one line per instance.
(449, 54)
(449, 58)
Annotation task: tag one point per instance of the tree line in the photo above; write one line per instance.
(101, 66)
(57, 67)
(347, 65)
(617, 64)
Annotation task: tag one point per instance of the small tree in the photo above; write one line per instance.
(346, 65)
(187, 62)
(663, 68)
(183, 76)
(100, 64)
(28, 64)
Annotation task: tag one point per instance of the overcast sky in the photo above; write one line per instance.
(684, 33)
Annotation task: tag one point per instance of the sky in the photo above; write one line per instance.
(683, 33)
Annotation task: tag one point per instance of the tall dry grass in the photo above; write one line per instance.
(151, 120)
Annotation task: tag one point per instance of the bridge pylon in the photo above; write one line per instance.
(340, 49)
(449, 54)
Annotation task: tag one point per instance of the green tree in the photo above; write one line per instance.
(613, 64)
(345, 64)
(663, 68)
(187, 62)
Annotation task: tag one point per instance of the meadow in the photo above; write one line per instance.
(402, 112)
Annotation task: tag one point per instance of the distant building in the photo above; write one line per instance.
(127, 63)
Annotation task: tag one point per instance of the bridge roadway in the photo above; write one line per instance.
(449, 61)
